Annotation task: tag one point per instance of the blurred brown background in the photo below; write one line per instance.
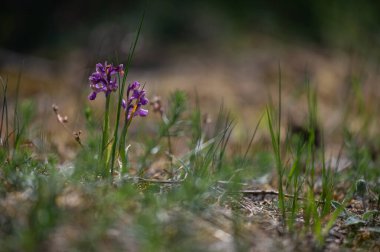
(224, 50)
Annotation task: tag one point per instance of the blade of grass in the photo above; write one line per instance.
(16, 120)
(4, 115)
(252, 137)
(279, 167)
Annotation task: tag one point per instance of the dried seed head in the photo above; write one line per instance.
(62, 119)
(77, 136)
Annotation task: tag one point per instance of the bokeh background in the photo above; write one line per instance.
(224, 51)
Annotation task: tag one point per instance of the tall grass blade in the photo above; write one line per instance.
(129, 61)
(4, 117)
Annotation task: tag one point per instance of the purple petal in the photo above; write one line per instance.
(113, 85)
(100, 68)
(142, 112)
(128, 111)
(104, 82)
(135, 85)
(136, 94)
(92, 96)
(143, 100)
(95, 78)
(116, 69)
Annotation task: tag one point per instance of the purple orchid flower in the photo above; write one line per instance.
(135, 100)
(104, 79)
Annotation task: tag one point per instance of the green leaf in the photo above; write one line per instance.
(370, 215)
(354, 221)
(335, 204)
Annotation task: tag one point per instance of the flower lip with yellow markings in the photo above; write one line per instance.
(135, 101)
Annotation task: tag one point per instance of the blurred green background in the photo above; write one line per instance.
(50, 28)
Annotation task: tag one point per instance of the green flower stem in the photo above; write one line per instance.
(122, 151)
(116, 132)
(104, 153)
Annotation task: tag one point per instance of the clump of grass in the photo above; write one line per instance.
(303, 152)
(171, 121)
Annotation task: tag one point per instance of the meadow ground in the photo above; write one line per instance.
(229, 163)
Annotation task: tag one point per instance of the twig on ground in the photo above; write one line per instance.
(263, 193)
